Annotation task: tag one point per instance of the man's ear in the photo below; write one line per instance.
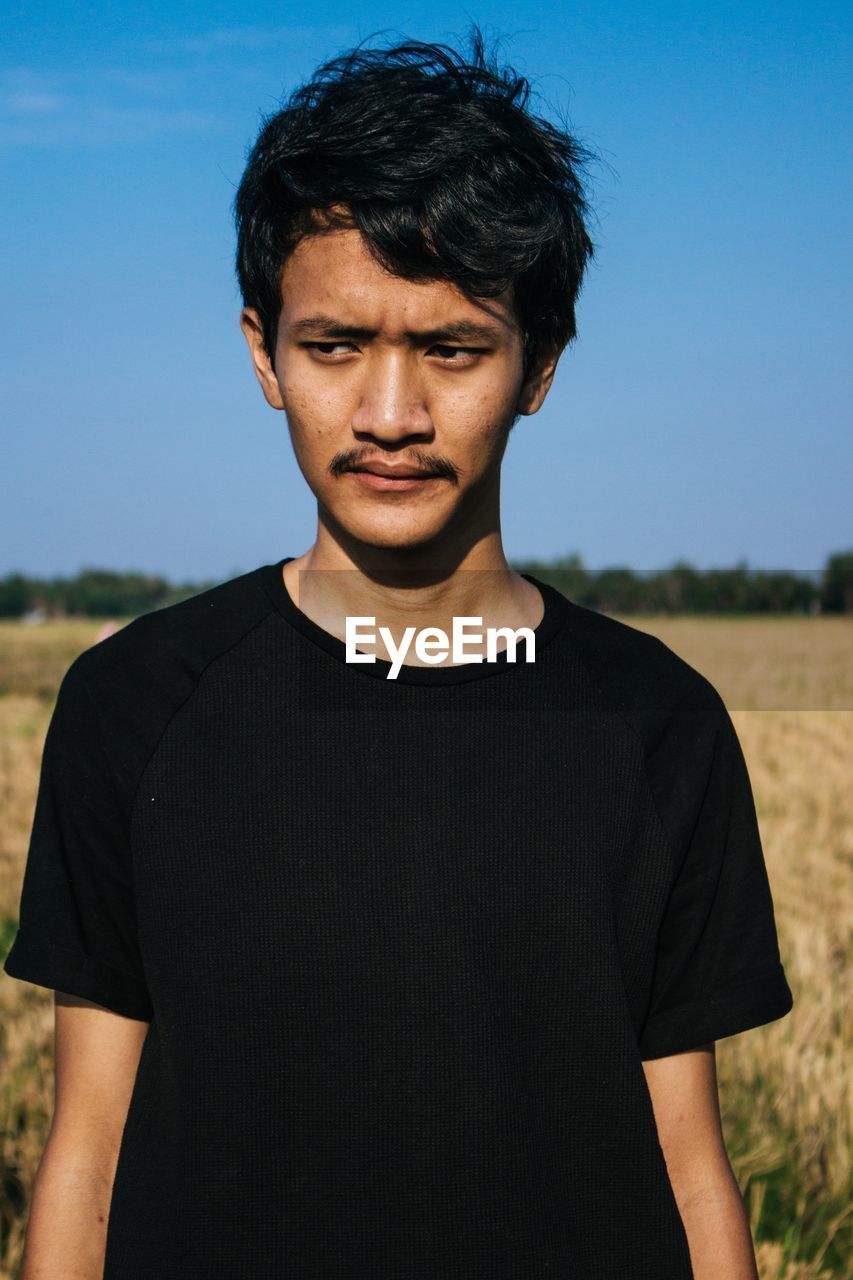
(538, 381)
(253, 332)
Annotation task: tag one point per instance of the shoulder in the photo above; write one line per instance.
(682, 723)
(174, 643)
(660, 694)
(124, 689)
(637, 668)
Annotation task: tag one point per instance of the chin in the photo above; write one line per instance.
(392, 534)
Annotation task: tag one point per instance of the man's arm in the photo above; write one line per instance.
(96, 1058)
(685, 1099)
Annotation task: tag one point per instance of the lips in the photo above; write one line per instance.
(394, 473)
(379, 478)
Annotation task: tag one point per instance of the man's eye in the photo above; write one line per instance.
(327, 348)
(456, 355)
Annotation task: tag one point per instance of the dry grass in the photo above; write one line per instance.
(766, 663)
(786, 1103)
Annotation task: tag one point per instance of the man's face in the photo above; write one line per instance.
(374, 370)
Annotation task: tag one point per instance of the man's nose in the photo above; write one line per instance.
(393, 401)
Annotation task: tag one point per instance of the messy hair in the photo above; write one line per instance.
(438, 160)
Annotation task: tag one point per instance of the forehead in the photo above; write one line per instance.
(334, 273)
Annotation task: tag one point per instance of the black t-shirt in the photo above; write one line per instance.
(403, 944)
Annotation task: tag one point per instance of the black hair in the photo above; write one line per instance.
(443, 168)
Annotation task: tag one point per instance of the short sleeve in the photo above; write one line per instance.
(77, 922)
(717, 966)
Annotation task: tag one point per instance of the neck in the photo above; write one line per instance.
(422, 586)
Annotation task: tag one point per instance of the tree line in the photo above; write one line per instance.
(680, 588)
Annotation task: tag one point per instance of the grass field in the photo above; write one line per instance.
(785, 1099)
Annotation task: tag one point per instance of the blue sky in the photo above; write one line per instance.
(702, 414)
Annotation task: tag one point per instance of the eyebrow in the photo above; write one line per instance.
(323, 326)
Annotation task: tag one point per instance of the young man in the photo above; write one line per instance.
(410, 967)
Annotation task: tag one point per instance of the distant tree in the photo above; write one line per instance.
(14, 595)
(566, 573)
(679, 587)
(836, 593)
(780, 591)
(618, 590)
(100, 592)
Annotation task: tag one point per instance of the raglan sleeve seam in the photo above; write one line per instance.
(180, 705)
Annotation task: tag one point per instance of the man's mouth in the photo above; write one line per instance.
(379, 476)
